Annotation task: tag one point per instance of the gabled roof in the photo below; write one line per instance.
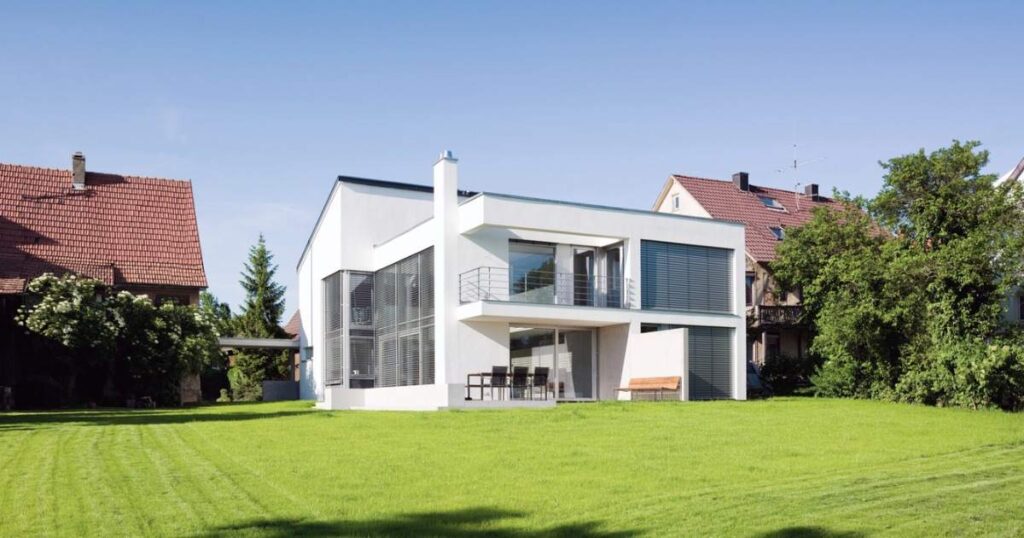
(723, 200)
(1014, 174)
(123, 230)
(294, 326)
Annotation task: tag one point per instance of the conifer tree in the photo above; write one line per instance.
(264, 298)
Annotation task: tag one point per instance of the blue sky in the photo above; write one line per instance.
(261, 105)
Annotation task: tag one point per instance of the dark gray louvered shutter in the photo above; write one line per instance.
(710, 362)
(360, 333)
(719, 283)
(333, 339)
(384, 321)
(403, 319)
(427, 316)
(685, 277)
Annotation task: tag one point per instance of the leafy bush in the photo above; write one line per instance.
(906, 291)
(223, 398)
(786, 373)
(969, 373)
(243, 387)
(120, 340)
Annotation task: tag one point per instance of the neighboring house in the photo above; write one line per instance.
(293, 329)
(774, 320)
(133, 233)
(1013, 174)
(406, 290)
(1014, 304)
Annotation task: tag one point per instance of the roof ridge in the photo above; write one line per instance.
(68, 171)
(729, 181)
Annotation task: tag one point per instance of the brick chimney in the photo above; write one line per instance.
(741, 180)
(78, 171)
(811, 191)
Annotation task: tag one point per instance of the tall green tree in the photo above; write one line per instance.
(260, 318)
(219, 313)
(906, 291)
(264, 298)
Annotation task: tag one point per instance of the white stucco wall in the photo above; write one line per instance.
(366, 228)
(654, 354)
(688, 205)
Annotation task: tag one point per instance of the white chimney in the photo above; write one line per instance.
(446, 280)
(78, 171)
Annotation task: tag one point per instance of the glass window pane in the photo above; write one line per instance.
(531, 272)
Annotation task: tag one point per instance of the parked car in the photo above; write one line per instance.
(756, 387)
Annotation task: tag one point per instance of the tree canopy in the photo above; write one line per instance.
(121, 340)
(264, 297)
(261, 316)
(906, 291)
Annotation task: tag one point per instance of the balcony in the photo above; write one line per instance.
(543, 288)
(765, 316)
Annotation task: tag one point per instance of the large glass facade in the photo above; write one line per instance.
(403, 321)
(570, 363)
(333, 330)
(613, 274)
(362, 367)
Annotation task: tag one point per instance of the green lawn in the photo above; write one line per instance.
(784, 467)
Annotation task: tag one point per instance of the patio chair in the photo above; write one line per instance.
(540, 380)
(499, 379)
(520, 376)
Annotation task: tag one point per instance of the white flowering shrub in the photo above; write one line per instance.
(71, 310)
(145, 348)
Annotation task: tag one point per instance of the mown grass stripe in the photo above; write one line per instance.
(722, 468)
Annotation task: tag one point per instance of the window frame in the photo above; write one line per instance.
(771, 202)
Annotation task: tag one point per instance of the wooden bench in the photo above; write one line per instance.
(653, 385)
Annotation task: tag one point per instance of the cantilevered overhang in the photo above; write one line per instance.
(603, 224)
(582, 316)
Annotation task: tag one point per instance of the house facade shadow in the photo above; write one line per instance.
(810, 532)
(466, 523)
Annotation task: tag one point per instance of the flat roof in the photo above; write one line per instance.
(471, 195)
(385, 184)
(604, 207)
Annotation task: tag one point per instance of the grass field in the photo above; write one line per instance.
(784, 467)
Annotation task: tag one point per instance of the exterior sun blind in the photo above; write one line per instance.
(333, 337)
(674, 276)
(403, 321)
(360, 331)
(710, 362)
(385, 307)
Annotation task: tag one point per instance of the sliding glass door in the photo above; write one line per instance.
(531, 272)
(571, 364)
(575, 358)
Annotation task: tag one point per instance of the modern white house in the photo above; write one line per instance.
(409, 293)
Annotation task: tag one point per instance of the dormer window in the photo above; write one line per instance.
(778, 232)
(771, 203)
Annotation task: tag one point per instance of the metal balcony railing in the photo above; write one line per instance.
(779, 315)
(543, 287)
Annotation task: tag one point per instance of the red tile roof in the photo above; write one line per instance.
(723, 200)
(123, 230)
(294, 326)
